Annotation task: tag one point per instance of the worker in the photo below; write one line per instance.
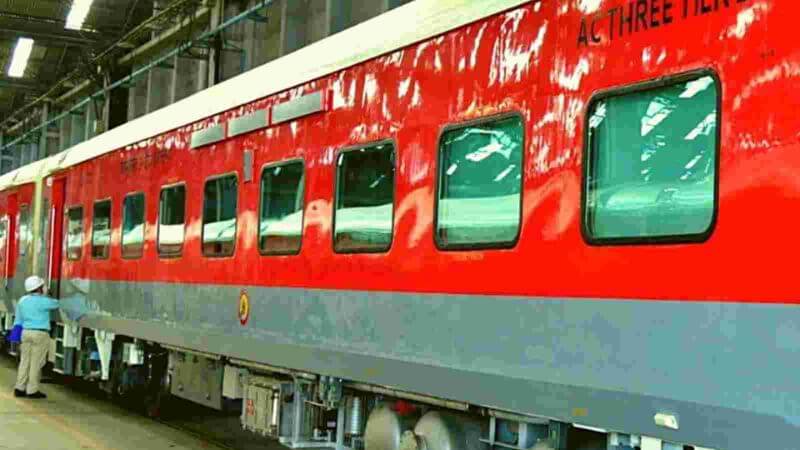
(33, 313)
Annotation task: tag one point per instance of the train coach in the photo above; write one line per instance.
(502, 224)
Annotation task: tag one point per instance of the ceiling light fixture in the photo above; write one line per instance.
(19, 61)
(77, 15)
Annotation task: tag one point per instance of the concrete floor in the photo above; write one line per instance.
(71, 420)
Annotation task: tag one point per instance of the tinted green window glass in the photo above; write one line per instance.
(24, 230)
(133, 226)
(101, 229)
(3, 238)
(43, 253)
(365, 200)
(219, 216)
(480, 184)
(171, 209)
(652, 162)
(281, 226)
(74, 233)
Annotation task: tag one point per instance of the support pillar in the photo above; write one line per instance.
(159, 83)
(304, 22)
(42, 149)
(392, 4)
(234, 57)
(20, 148)
(17, 152)
(186, 77)
(317, 21)
(64, 132)
(78, 126)
(52, 139)
(27, 151)
(94, 116)
(264, 38)
(340, 13)
(88, 129)
(214, 53)
(137, 97)
(115, 106)
(293, 30)
(6, 159)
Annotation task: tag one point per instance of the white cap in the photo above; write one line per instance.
(33, 283)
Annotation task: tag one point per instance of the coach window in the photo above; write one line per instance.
(219, 216)
(101, 229)
(281, 224)
(133, 225)
(480, 184)
(74, 233)
(3, 238)
(24, 229)
(651, 163)
(44, 231)
(171, 220)
(364, 199)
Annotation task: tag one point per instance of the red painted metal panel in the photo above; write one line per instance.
(21, 196)
(13, 233)
(534, 61)
(6, 241)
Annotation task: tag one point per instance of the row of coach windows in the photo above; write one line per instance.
(650, 174)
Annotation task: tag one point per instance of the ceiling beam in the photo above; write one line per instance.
(21, 84)
(53, 36)
(28, 20)
(50, 31)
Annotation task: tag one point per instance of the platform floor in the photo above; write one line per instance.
(71, 420)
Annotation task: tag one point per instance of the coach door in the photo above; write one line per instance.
(55, 232)
(3, 245)
(5, 255)
(9, 252)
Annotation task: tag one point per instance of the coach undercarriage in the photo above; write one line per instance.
(314, 411)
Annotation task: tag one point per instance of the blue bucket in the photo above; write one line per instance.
(16, 334)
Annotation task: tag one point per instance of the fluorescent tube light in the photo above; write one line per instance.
(77, 15)
(19, 61)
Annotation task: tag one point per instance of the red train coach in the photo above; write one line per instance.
(566, 220)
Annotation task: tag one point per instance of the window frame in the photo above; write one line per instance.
(110, 227)
(586, 148)
(264, 168)
(236, 216)
(443, 246)
(67, 210)
(144, 226)
(336, 184)
(168, 255)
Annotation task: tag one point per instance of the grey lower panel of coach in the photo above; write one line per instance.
(728, 370)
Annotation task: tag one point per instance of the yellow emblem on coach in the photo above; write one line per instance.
(244, 307)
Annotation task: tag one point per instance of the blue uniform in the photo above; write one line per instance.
(33, 312)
